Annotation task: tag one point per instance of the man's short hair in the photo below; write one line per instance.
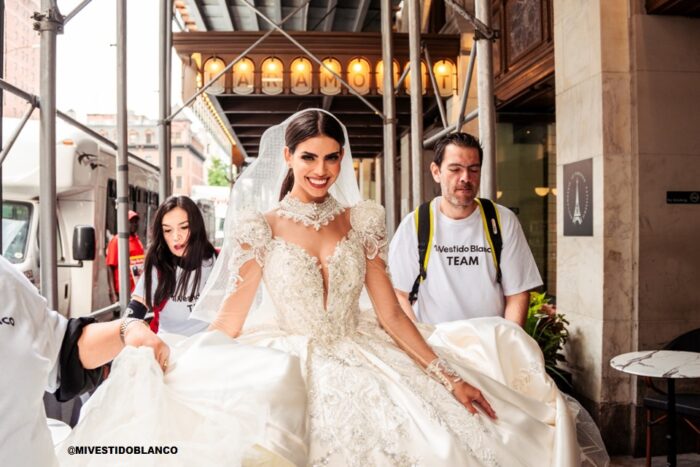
(464, 140)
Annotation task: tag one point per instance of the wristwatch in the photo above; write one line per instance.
(125, 324)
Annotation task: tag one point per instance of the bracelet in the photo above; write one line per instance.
(125, 324)
(443, 373)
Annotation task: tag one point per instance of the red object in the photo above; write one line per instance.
(133, 214)
(156, 315)
(136, 253)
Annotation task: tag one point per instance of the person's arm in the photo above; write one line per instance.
(402, 297)
(520, 274)
(110, 280)
(99, 343)
(516, 307)
(87, 345)
(399, 326)
(234, 309)
(403, 263)
(369, 221)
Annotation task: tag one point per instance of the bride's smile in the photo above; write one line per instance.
(315, 164)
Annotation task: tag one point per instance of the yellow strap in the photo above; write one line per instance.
(486, 228)
(430, 235)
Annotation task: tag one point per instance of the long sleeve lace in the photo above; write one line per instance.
(252, 236)
(368, 220)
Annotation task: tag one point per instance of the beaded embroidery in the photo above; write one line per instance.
(314, 215)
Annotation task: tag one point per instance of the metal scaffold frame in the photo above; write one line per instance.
(49, 22)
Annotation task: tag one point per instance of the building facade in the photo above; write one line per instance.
(21, 55)
(187, 149)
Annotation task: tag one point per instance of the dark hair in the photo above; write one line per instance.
(308, 125)
(464, 140)
(198, 249)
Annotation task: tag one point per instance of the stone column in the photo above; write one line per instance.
(596, 275)
(626, 97)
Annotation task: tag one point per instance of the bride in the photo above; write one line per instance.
(312, 378)
(378, 393)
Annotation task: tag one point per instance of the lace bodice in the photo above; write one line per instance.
(294, 279)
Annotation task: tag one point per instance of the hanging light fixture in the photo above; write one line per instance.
(243, 77)
(424, 81)
(445, 77)
(272, 72)
(359, 75)
(300, 76)
(213, 67)
(328, 83)
(379, 74)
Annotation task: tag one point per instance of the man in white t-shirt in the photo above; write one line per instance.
(461, 280)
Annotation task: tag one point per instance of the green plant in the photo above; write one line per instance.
(548, 328)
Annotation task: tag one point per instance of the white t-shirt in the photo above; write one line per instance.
(461, 276)
(30, 342)
(175, 315)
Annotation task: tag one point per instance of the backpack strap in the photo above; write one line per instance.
(492, 226)
(425, 230)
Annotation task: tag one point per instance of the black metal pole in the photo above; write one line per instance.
(671, 424)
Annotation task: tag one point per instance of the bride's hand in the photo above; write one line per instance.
(139, 336)
(470, 396)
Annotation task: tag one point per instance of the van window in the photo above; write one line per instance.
(15, 230)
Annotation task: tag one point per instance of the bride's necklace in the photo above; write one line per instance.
(311, 214)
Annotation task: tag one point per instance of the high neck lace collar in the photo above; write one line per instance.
(311, 214)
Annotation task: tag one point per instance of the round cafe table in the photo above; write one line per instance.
(667, 364)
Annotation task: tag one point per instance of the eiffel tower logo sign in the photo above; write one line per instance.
(577, 218)
(578, 198)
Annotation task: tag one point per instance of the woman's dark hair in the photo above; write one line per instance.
(198, 249)
(308, 125)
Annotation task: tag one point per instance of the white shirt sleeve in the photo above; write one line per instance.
(403, 255)
(140, 288)
(518, 267)
(43, 328)
(54, 329)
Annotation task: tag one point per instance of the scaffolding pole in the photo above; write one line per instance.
(389, 107)
(487, 110)
(165, 42)
(49, 24)
(233, 62)
(34, 102)
(313, 57)
(436, 89)
(414, 25)
(122, 162)
(465, 90)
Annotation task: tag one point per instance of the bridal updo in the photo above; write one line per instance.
(308, 125)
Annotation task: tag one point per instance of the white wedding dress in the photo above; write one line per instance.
(369, 403)
(219, 404)
(313, 379)
(324, 385)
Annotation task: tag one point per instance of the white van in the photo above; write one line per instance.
(86, 195)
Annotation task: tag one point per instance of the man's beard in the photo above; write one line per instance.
(461, 201)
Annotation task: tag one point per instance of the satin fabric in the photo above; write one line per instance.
(220, 404)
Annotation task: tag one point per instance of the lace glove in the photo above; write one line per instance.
(443, 373)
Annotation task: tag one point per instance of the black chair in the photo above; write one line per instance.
(687, 405)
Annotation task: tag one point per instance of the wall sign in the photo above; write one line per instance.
(683, 197)
(578, 199)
